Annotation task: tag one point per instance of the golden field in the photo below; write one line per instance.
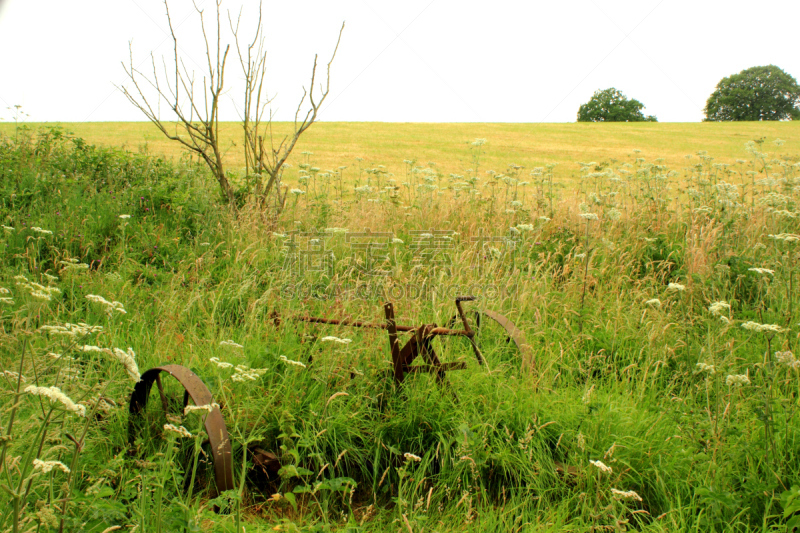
(336, 144)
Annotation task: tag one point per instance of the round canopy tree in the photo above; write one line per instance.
(610, 105)
(757, 93)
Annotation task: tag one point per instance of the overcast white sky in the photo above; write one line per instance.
(409, 60)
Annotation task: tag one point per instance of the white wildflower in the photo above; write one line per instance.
(290, 362)
(788, 237)
(297, 192)
(245, 373)
(110, 307)
(128, 360)
(80, 329)
(717, 307)
(336, 339)
(220, 364)
(47, 466)
(55, 394)
(626, 495)
(676, 287)
(762, 328)
(200, 408)
(412, 457)
(603, 467)
(762, 271)
(6, 301)
(231, 344)
(737, 380)
(395, 240)
(702, 367)
(785, 358)
(544, 219)
(97, 349)
(14, 376)
(124, 217)
(178, 430)
(8, 228)
(589, 216)
(42, 231)
(39, 295)
(653, 302)
(526, 227)
(73, 264)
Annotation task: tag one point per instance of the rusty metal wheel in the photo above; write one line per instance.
(152, 407)
(498, 338)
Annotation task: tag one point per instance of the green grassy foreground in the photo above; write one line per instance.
(660, 303)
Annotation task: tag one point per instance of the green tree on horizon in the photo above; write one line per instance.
(756, 93)
(610, 105)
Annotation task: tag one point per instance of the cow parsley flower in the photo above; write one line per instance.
(787, 358)
(177, 430)
(737, 380)
(717, 307)
(589, 216)
(626, 495)
(787, 237)
(762, 328)
(290, 362)
(200, 408)
(110, 307)
(602, 467)
(47, 466)
(55, 394)
(676, 287)
(336, 339)
(220, 364)
(702, 367)
(231, 344)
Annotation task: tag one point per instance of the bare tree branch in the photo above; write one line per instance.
(196, 124)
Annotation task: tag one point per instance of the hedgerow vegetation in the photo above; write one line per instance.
(660, 305)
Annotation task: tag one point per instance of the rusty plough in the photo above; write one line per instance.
(418, 345)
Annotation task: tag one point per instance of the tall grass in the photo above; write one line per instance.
(649, 407)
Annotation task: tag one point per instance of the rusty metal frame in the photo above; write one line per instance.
(196, 390)
(418, 346)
